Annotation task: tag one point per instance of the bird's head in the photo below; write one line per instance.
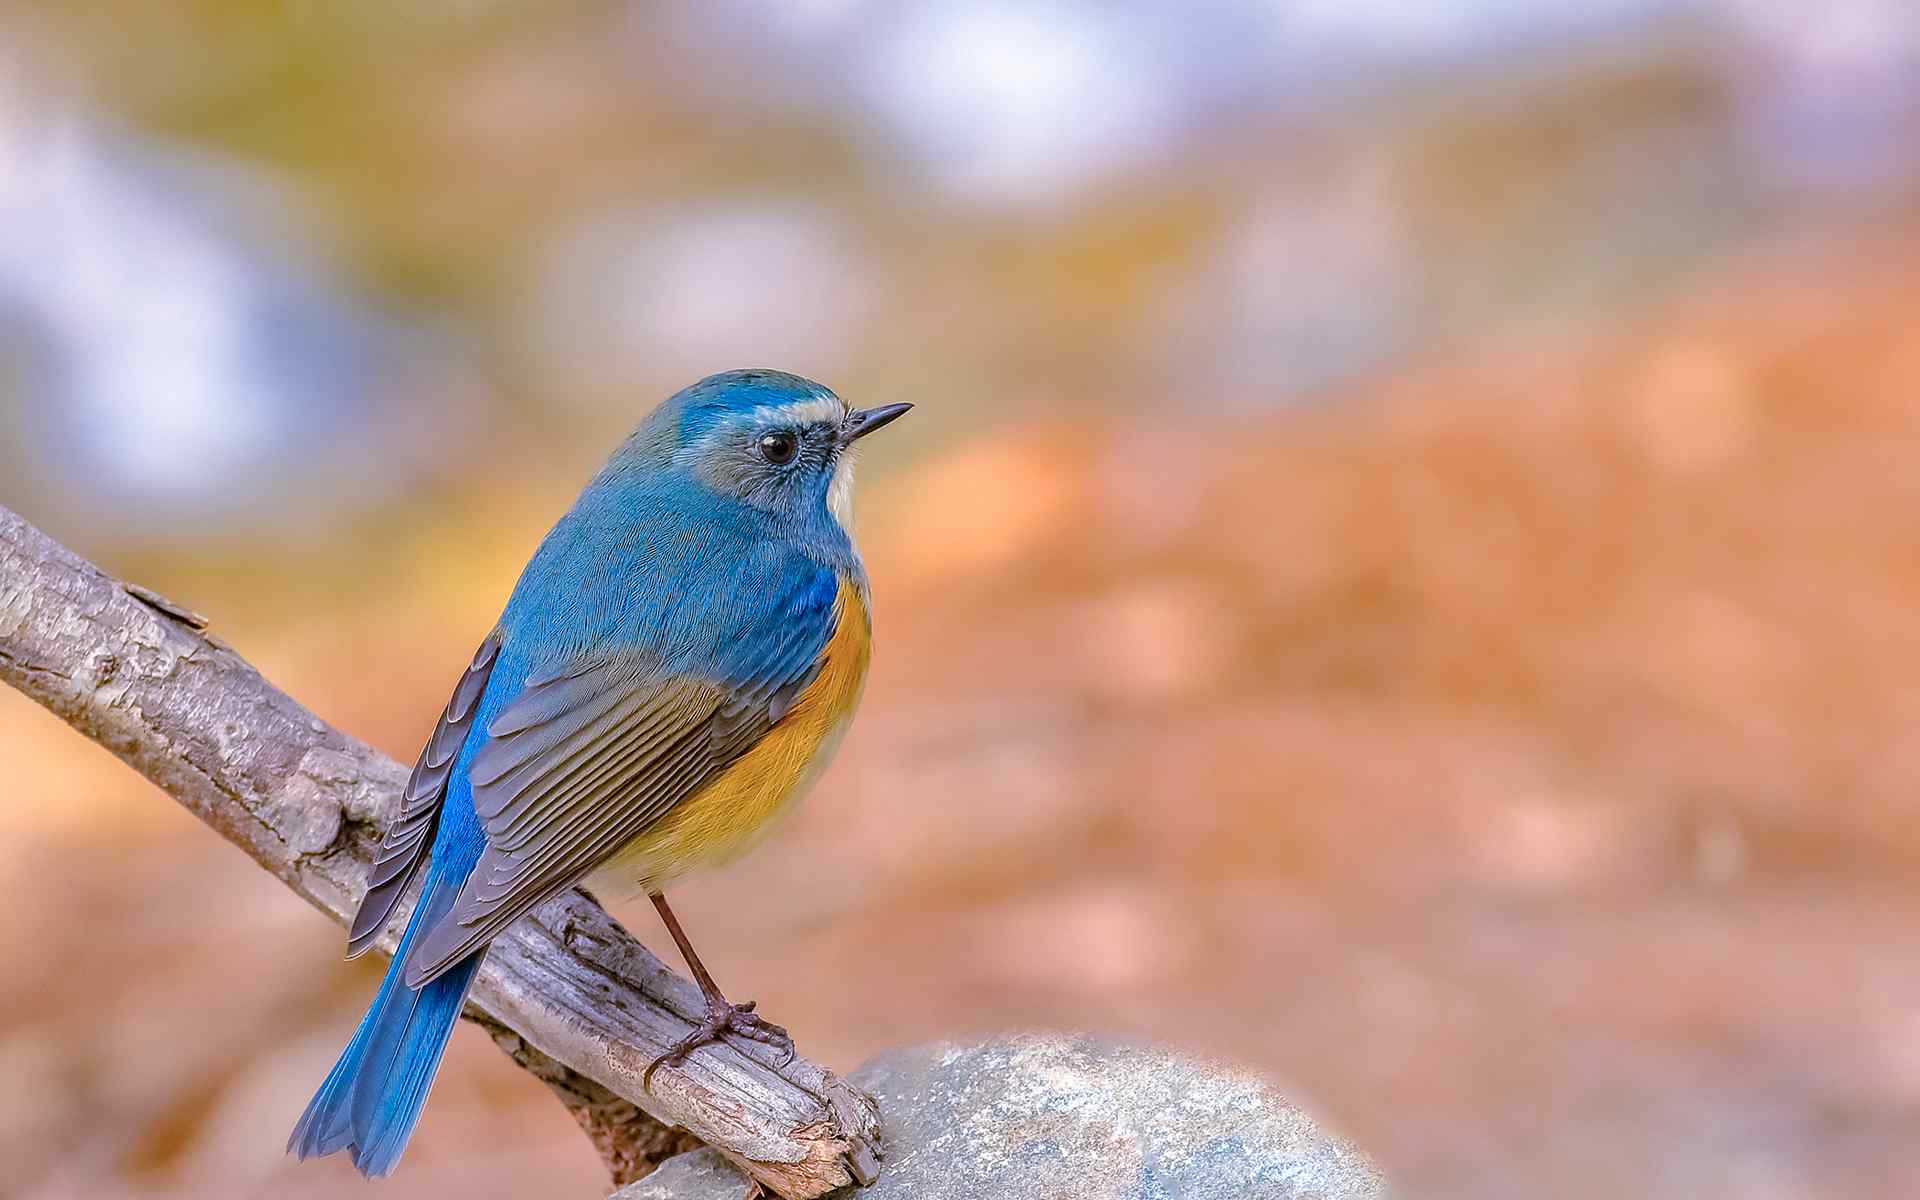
(774, 441)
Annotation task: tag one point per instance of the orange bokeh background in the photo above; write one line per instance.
(1497, 733)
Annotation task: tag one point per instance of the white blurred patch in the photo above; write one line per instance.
(1420, 29)
(144, 311)
(1307, 284)
(1020, 103)
(173, 350)
(807, 18)
(626, 302)
(1831, 94)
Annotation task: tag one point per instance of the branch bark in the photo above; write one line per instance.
(567, 992)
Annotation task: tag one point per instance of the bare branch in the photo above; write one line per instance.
(567, 992)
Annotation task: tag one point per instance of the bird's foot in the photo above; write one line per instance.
(723, 1020)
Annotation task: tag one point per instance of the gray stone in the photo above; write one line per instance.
(696, 1175)
(1046, 1118)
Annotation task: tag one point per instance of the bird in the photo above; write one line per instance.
(676, 665)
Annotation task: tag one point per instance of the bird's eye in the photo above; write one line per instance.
(779, 447)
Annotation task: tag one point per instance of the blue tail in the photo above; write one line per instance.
(373, 1096)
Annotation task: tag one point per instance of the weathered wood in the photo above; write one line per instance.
(571, 995)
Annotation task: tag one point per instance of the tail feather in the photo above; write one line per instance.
(371, 1100)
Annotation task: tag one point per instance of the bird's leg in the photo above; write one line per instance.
(722, 1017)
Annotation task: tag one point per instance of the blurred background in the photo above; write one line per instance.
(1403, 574)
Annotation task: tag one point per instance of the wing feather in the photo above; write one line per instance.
(591, 753)
(571, 829)
(404, 847)
(596, 768)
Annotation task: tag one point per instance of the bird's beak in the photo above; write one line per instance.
(866, 420)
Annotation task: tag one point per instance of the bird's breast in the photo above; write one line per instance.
(734, 810)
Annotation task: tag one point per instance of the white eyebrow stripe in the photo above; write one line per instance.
(803, 412)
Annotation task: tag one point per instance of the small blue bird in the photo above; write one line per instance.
(678, 662)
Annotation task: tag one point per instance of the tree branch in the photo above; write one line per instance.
(567, 992)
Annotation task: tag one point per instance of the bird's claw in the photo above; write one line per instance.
(721, 1020)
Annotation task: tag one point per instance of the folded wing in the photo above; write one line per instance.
(405, 846)
(586, 757)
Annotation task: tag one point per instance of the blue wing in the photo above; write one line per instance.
(405, 846)
(592, 750)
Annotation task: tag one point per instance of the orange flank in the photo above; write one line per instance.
(729, 815)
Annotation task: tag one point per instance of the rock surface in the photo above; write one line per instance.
(1048, 1118)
